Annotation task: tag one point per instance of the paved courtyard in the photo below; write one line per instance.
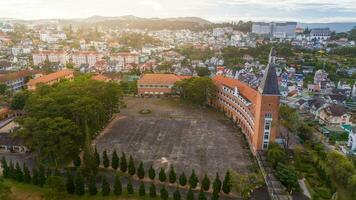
(184, 136)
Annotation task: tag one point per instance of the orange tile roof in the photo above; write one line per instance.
(244, 89)
(100, 77)
(167, 79)
(16, 75)
(50, 77)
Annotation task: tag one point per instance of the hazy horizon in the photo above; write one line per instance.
(320, 11)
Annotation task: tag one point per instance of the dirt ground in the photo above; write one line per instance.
(175, 134)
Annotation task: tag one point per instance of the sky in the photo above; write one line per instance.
(214, 10)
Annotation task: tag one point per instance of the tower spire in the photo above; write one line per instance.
(269, 83)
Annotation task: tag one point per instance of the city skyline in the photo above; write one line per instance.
(213, 10)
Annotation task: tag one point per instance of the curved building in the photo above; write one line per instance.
(254, 110)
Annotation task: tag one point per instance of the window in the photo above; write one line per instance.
(268, 115)
(265, 145)
(265, 137)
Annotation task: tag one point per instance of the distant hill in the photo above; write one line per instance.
(337, 27)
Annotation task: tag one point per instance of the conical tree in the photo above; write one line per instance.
(117, 185)
(5, 167)
(70, 184)
(153, 191)
(217, 184)
(162, 176)
(123, 165)
(172, 176)
(89, 160)
(131, 167)
(76, 161)
(19, 173)
(193, 180)
(97, 157)
(41, 176)
(151, 173)
(215, 195)
(106, 161)
(164, 193)
(176, 195)
(115, 160)
(79, 184)
(183, 179)
(205, 183)
(226, 186)
(92, 185)
(141, 171)
(190, 194)
(26, 174)
(129, 187)
(12, 171)
(141, 190)
(202, 195)
(105, 187)
(35, 176)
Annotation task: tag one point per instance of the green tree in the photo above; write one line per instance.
(190, 194)
(41, 176)
(176, 195)
(202, 195)
(92, 185)
(131, 166)
(288, 177)
(123, 165)
(77, 161)
(117, 185)
(3, 88)
(275, 154)
(129, 187)
(206, 183)
(162, 176)
(172, 176)
(19, 100)
(153, 191)
(141, 171)
(12, 171)
(151, 173)
(164, 193)
(193, 180)
(106, 161)
(97, 157)
(5, 167)
(26, 174)
(19, 173)
(182, 179)
(141, 190)
(115, 160)
(202, 71)
(226, 186)
(215, 195)
(79, 184)
(217, 184)
(70, 183)
(105, 187)
(5, 190)
(35, 176)
(55, 188)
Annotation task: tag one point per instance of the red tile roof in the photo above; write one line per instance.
(50, 77)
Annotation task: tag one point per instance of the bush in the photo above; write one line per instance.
(182, 179)
(56, 188)
(151, 173)
(193, 180)
(117, 185)
(105, 187)
(162, 175)
(164, 193)
(141, 171)
(153, 190)
(129, 187)
(141, 190)
(323, 192)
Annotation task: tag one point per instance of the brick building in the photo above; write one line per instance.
(157, 84)
(51, 79)
(254, 110)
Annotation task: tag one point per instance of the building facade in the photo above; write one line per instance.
(254, 110)
(17, 80)
(50, 79)
(282, 30)
(157, 84)
(40, 57)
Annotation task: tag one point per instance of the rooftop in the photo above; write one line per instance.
(50, 77)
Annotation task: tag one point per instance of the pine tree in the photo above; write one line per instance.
(105, 187)
(92, 185)
(205, 183)
(76, 161)
(19, 173)
(172, 176)
(141, 190)
(202, 195)
(12, 171)
(129, 187)
(106, 161)
(89, 161)
(176, 195)
(190, 194)
(141, 171)
(131, 167)
(182, 179)
(35, 176)
(226, 186)
(153, 191)
(193, 180)
(6, 170)
(97, 157)
(41, 176)
(114, 160)
(162, 176)
(117, 185)
(215, 195)
(164, 193)
(123, 165)
(70, 183)
(217, 184)
(79, 184)
(151, 173)
(26, 174)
